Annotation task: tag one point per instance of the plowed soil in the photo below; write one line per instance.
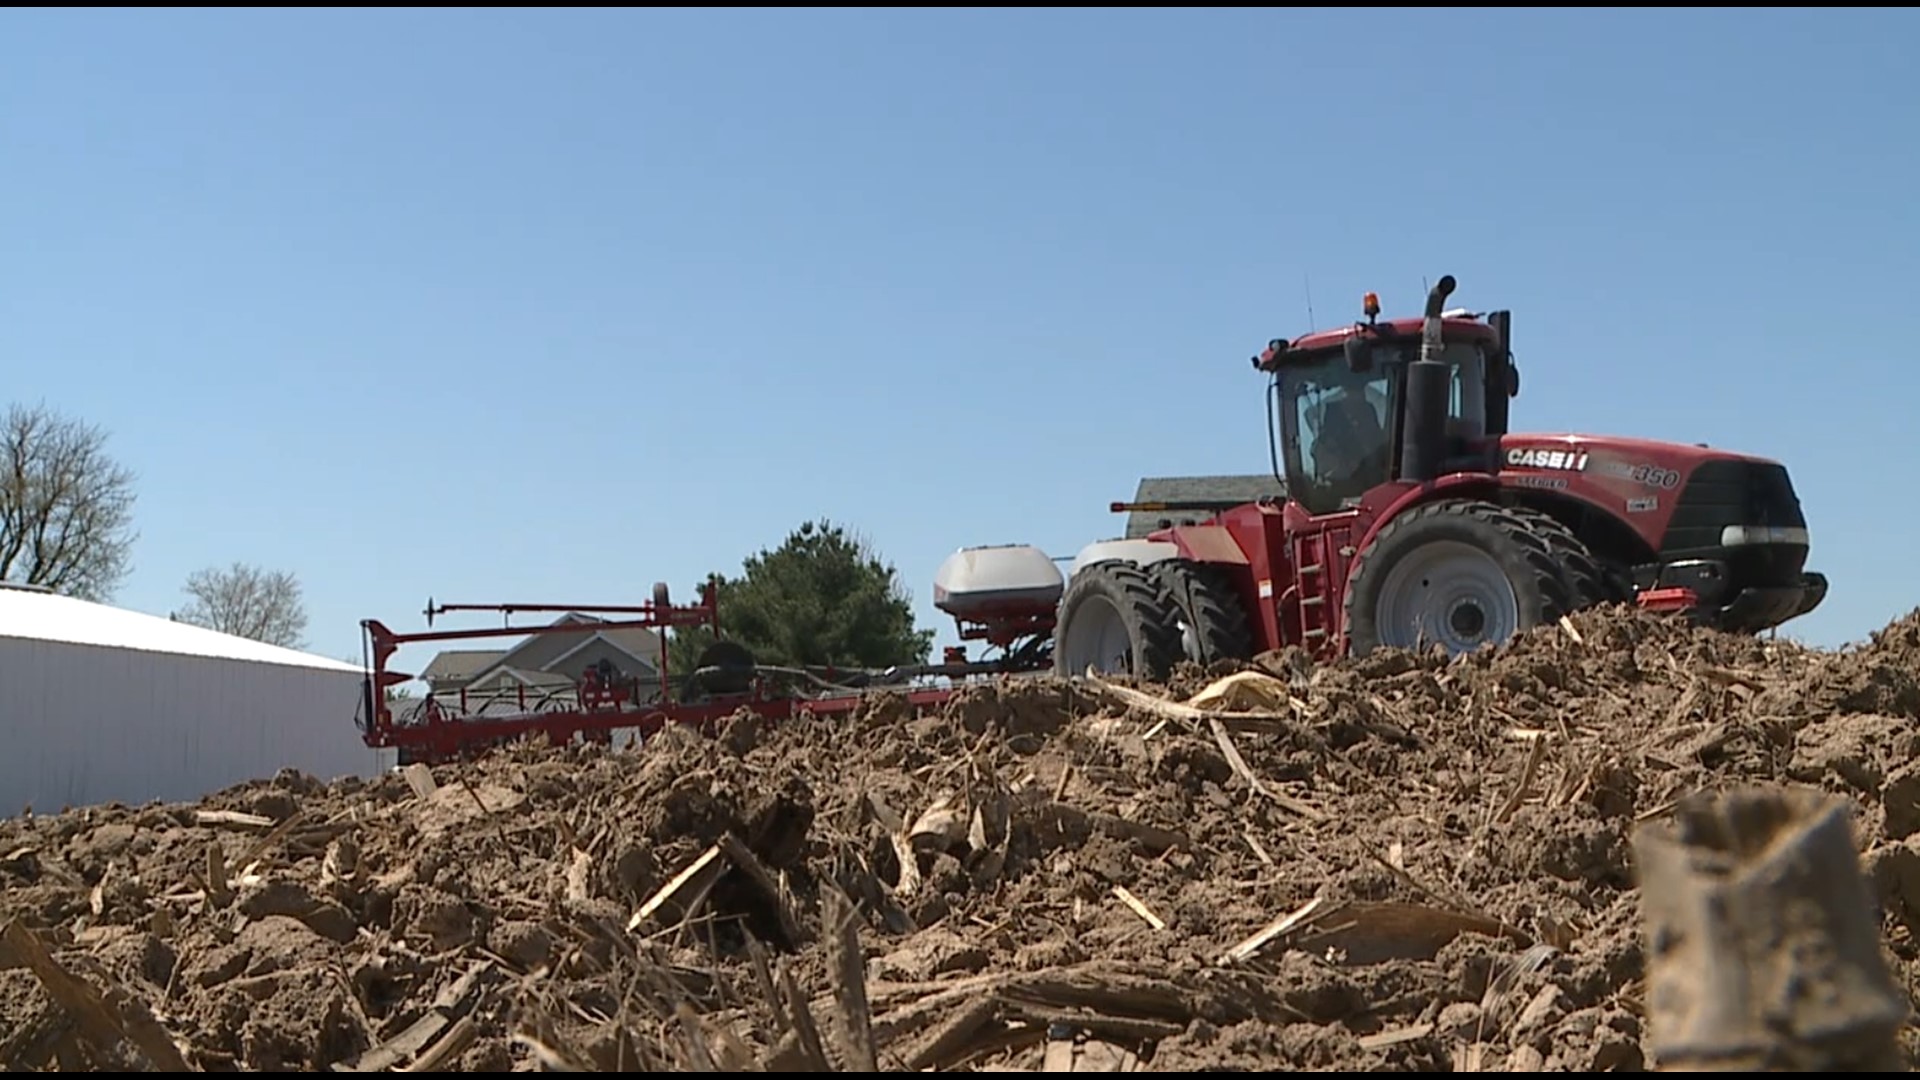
(1042, 876)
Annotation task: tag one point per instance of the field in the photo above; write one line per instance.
(1399, 864)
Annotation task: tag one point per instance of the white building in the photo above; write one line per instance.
(99, 704)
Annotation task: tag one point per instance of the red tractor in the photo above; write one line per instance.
(1412, 518)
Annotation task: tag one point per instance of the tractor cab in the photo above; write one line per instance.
(1341, 420)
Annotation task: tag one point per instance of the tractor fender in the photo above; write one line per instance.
(1142, 553)
(1207, 544)
(1604, 530)
(1453, 485)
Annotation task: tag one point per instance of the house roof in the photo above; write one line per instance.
(1172, 488)
(642, 643)
(532, 678)
(639, 641)
(467, 665)
(462, 663)
(36, 615)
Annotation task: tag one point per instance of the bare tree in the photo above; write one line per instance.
(66, 508)
(248, 602)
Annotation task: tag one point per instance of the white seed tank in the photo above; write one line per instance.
(979, 583)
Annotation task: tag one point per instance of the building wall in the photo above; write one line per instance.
(86, 725)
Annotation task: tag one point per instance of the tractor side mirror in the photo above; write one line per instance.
(1513, 380)
(1359, 354)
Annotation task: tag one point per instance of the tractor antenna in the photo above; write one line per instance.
(1307, 279)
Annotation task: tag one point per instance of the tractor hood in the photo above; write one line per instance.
(1725, 527)
(1685, 501)
(1647, 463)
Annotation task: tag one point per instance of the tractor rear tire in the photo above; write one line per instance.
(1212, 621)
(1459, 574)
(1592, 584)
(1115, 618)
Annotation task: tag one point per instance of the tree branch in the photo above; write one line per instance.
(249, 602)
(66, 508)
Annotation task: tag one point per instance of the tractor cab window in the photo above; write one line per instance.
(1467, 404)
(1467, 389)
(1342, 438)
(1338, 427)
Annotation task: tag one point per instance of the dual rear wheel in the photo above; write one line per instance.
(1120, 618)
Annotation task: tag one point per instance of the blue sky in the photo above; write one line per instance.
(549, 305)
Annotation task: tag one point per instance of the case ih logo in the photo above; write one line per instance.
(1542, 458)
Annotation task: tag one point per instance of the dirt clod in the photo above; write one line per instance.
(1429, 869)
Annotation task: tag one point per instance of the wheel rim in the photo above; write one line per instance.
(1098, 639)
(1447, 594)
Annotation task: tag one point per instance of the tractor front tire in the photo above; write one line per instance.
(1212, 621)
(1593, 582)
(1459, 574)
(1116, 619)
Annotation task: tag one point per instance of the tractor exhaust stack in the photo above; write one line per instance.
(1423, 444)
